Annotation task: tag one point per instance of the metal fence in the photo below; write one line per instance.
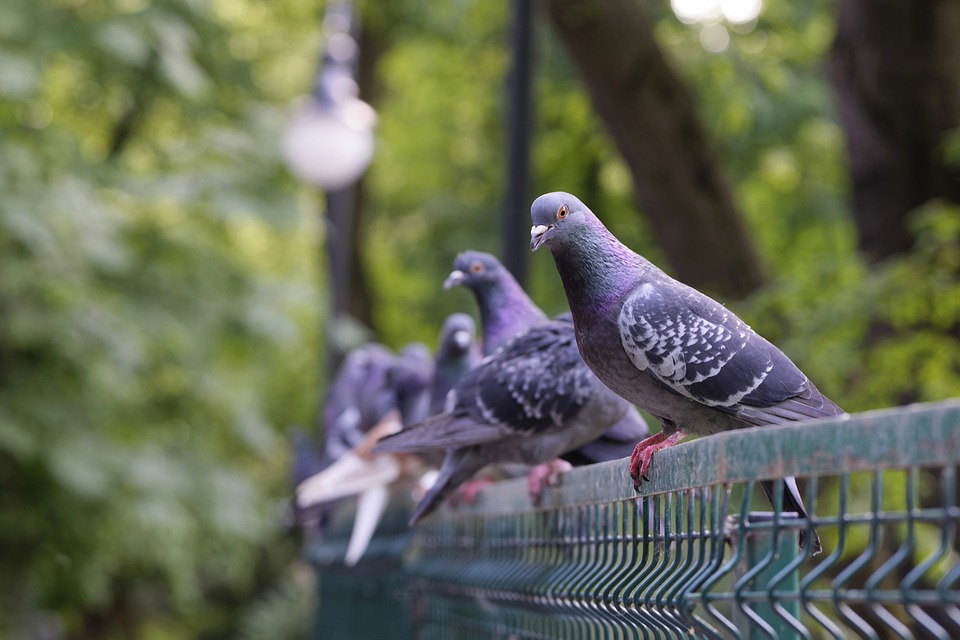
(699, 553)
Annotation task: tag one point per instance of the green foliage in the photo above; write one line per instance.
(154, 317)
(157, 309)
(284, 612)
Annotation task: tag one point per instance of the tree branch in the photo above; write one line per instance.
(653, 121)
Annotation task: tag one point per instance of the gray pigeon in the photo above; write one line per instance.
(360, 395)
(529, 402)
(358, 403)
(457, 353)
(372, 394)
(666, 347)
(507, 311)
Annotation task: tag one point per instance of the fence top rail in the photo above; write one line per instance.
(921, 435)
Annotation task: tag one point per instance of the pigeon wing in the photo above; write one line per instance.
(539, 381)
(699, 349)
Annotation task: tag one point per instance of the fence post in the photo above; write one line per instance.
(754, 571)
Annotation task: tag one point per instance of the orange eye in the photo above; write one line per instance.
(476, 267)
(562, 212)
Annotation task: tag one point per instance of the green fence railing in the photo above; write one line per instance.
(699, 553)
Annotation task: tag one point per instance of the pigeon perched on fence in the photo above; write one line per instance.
(358, 398)
(507, 311)
(530, 401)
(361, 407)
(457, 353)
(401, 384)
(666, 347)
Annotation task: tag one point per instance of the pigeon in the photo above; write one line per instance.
(506, 311)
(361, 406)
(358, 398)
(358, 473)
(402, 385)
(528, 402)
(457, 353)
(666, 347)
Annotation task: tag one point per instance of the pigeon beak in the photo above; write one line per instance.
(538, 235)
(461, 339)
(455, 279)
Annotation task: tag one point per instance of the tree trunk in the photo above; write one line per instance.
(653, 121)
(895, 67)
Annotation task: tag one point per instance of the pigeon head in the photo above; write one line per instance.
(558, 219)
(416, 353)
(458, 334)
(457, 353)
(475, 270)
(505, 309)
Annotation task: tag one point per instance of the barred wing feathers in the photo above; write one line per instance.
(532, 384)
(699, 349)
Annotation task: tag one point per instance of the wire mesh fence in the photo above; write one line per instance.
(699, 553)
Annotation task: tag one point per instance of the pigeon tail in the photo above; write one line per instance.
(350, 475)
(793, 502)
(458, 467)
(444, 431)
(809, 404)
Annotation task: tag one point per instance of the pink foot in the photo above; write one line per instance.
(467, 492)
(640, 460)
(545, 475)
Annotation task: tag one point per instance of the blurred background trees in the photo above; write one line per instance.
(160, 293)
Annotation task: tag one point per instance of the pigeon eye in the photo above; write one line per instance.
(476, 267)
(562, 212)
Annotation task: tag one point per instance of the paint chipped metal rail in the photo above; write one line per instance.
(698, 553)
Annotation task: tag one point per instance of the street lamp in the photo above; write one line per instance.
(329, 147)
(329, 140)
(329, 143)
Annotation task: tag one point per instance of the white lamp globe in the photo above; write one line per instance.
(329, 147)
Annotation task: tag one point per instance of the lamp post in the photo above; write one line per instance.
(329, 143)
(516, 219)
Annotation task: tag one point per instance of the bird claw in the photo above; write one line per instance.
(643, 454)
(545, 475)
(467, 492)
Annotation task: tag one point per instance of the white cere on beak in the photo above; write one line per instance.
(455, 279)
(538, 230)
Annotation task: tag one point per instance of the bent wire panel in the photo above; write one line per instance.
(699, 553)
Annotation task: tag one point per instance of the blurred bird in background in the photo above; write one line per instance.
(395, 391)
